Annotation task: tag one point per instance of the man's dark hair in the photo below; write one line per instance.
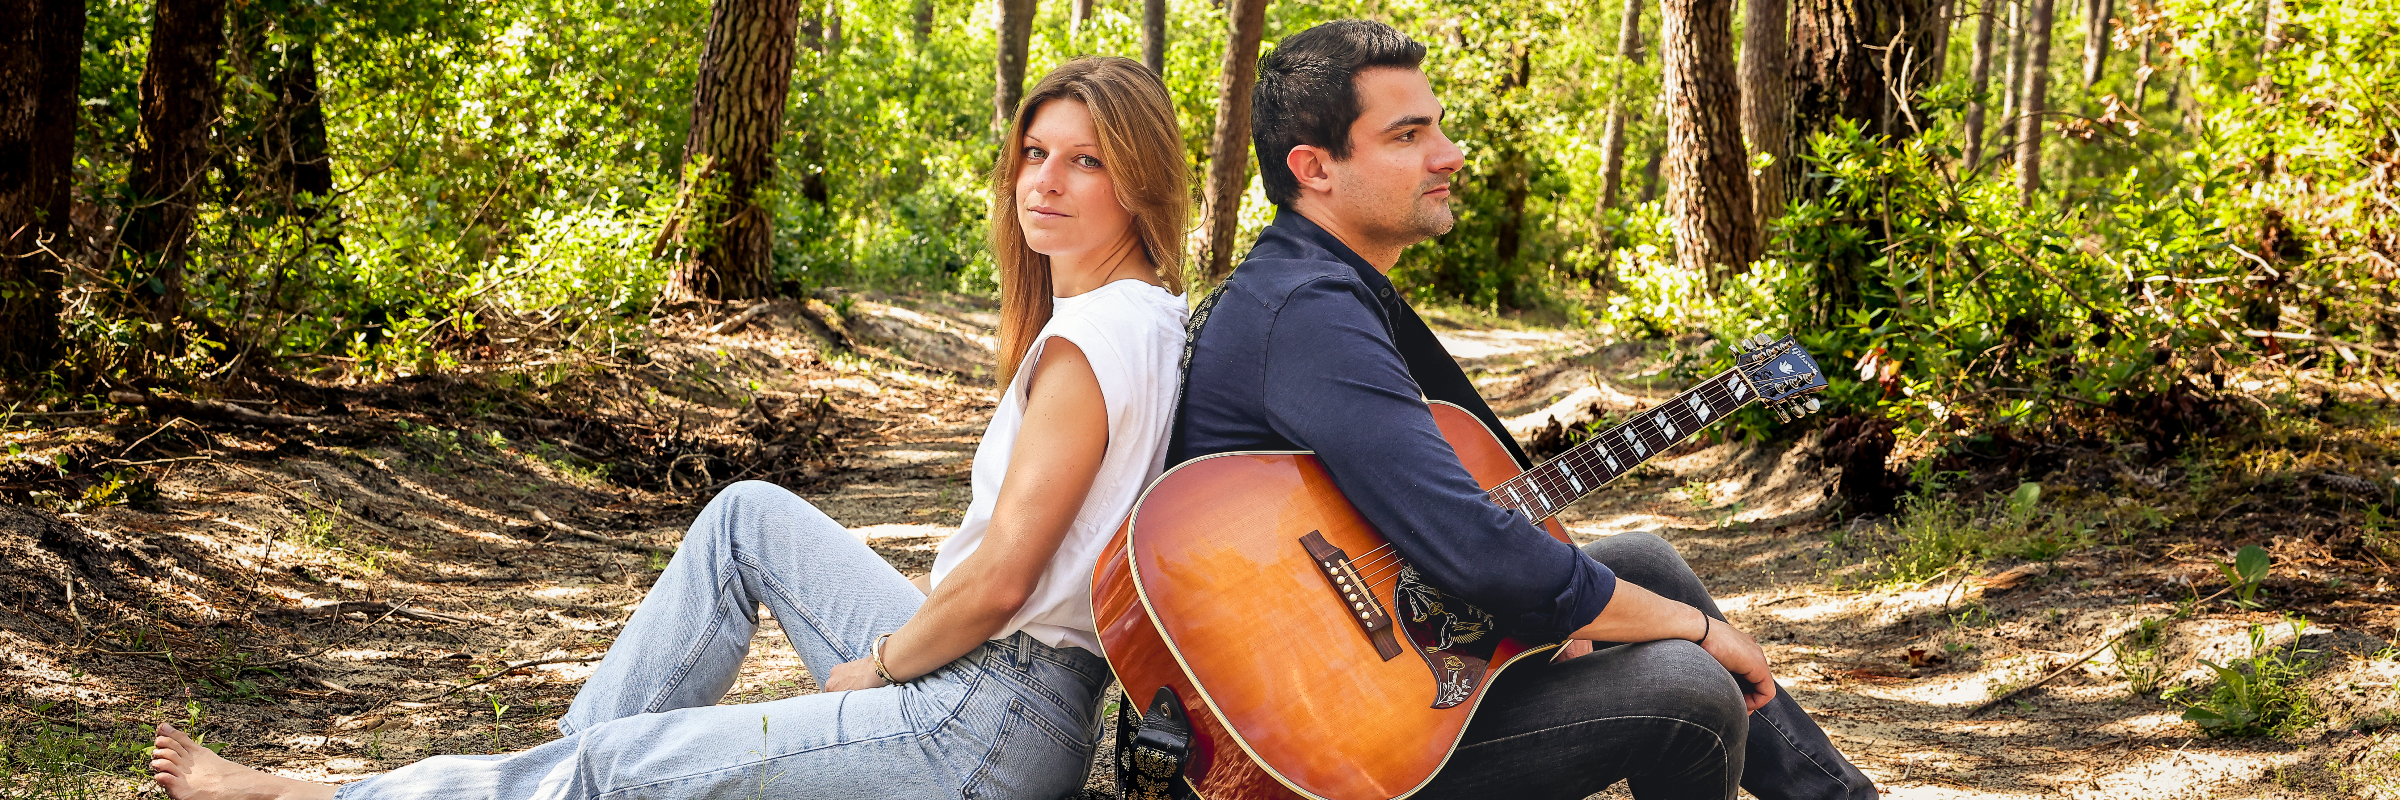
(1307, 93)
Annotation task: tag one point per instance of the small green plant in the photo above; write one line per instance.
(1696, 493)
(499, 710)
(2246, 573)
(2257, 695)
(2137, 656)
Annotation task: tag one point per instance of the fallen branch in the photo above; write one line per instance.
(512, 668)
(2087, 656)
(579, 533)
(2304, 337)
(211, 409)
(742, 319)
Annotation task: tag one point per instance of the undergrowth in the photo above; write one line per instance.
(2258, 695)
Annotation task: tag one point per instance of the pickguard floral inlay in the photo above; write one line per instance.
(1456, 639)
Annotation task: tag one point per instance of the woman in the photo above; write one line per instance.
(983, 680)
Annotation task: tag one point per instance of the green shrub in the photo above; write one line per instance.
(2258, 695)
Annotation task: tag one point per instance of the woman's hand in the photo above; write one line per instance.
(855, 675)
(1574, 648)
(1741, 656)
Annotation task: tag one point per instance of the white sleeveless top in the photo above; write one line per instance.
(1132, 332)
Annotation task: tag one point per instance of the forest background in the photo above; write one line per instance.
(1985, 213)
(2147, 249)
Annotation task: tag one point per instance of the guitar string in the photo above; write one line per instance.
(1711, 393)
(1375, 572)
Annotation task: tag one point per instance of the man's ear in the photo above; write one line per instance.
(1311, 166)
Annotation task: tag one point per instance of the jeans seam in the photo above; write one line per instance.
(691, 659)
(808, 615)
(778, 757)
(1796, 748)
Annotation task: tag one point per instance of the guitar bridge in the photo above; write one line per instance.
(1357, 598)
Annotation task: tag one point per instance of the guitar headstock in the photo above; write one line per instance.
(1782, 372)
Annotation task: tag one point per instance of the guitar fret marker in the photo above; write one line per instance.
(1699, 407)
(1665, 426)
(1639, 447)
(1512, 496)
(1571, 481)
(1612, 462)
(1739, 388)
(1538, 493)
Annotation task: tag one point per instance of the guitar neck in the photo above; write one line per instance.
(1546, 489)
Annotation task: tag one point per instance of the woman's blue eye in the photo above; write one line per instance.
(1088, 162)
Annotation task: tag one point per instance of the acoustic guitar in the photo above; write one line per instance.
(1245, 584)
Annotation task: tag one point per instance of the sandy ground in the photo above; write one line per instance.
(385, 581)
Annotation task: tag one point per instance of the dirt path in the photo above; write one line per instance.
(346, 602)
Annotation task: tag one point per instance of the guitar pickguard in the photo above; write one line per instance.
(1456, 639)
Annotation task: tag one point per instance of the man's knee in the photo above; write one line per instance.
(1637, 554)
(1689, 684)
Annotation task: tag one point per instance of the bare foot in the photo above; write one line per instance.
(191, 772)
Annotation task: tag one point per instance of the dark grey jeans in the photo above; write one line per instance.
(1663, 716)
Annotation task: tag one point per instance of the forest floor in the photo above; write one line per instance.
(340, 578)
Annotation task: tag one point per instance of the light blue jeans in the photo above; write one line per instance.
(1014, 718)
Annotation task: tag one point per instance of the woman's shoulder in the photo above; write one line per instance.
(1125, 309)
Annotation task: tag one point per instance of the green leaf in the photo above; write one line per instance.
(2024, 498)
(2252, 562)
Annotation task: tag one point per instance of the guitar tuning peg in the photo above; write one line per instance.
(1814, 404)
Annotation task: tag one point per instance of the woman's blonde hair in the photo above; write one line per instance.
(1142, 148)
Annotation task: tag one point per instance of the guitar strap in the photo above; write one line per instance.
(1439, 376)
(1183, 383)
(1152, 749)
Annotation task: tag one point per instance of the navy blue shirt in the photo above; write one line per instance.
(1298, 355)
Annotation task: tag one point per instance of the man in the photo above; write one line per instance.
(1298, 352)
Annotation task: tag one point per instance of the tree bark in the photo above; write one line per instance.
(1708, 179)
(2037, 89)
(41, 51)
(2095, 39)
(1229, 154)
(1979, 78)
(1767, 103)
(1855, 59)
(1016, 37)
(1154, 36)
(923, 16)
(1612, 137)
(179, 104)
(1079, 12)
(2015, 73)
(729, 157)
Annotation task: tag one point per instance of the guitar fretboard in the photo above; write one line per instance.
(1544, 490)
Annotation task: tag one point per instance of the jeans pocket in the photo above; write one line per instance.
(1030, 757)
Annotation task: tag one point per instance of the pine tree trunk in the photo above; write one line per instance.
(41, 50)
(1767, 103)
(1016, 37)
(1708, 179)
(2037, 89)
(2015, 73)
(1848, 54)
(1229, 155)
(179, 104)
(1154, 36)
(1979, 78)
(729, 157)
(1612, 137)
(923, 16)
(2095, 39)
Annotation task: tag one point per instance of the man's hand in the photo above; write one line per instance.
(1741, 656)
(860, 674)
